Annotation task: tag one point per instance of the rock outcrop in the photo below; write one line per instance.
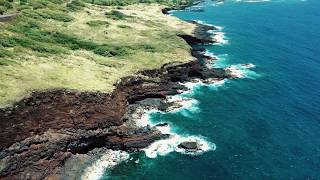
(189, 146)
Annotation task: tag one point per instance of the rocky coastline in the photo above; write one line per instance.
(43, 133)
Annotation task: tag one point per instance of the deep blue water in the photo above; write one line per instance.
(266, 126)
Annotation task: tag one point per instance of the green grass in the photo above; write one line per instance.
(77, 45)
(116, 15)
(98, 23)
(170, 3)
(75, 5)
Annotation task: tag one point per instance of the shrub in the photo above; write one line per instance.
(75, 5)
(124, 26)
(96, 23)
(116, 15)
(147, 47)
(7, 42)
(6, 62)
(23, 2)
(55, 15)
(170, 3)
(47, 14)
(56, 1)
(5, 53)
(23, 7)
(6, 4)
(112, 50)
(2, 10)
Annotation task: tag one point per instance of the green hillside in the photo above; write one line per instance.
(84, 44)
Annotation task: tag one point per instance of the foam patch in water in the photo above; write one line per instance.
(220, 38)
(166, 146)
(243, 71)
(144, 120)
(108, 160)
(192, 86)
(187, 107)
(185, 104)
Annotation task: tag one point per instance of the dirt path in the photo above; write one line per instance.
(8, 17)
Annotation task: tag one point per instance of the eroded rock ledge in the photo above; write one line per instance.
(39, 133)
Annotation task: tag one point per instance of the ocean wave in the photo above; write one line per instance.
(187, 107)
(184, 105)
(166, 146)
(242, 71)
(192, 86)
(144, 120)
(220, 38)
(108, 160)
(211, 54)
(215, 26)
(220, 61)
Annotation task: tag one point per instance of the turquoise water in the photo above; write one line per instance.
(265, 126)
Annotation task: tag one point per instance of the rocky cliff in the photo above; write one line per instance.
(39, 133)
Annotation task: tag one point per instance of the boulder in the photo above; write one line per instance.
(189, 145)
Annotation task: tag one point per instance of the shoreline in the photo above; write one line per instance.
(58, 124)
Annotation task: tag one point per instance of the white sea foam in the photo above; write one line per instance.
(220, 38)
(213, 83)
(218, 83)
(144, 119)
(166, 146)
(210, 31)
(108, 160)
(217, 35)
(202, 22)
(242, 71)
(211, 54)
(185, 103)
(164, 129)
(217, 28)
(187, 106)
(235, 71)
(192, 85)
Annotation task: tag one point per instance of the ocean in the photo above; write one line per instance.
(263, 125)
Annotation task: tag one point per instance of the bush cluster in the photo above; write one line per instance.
(116, 15)
(75, 5)
(97, 23)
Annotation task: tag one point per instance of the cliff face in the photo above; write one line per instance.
(39, 133)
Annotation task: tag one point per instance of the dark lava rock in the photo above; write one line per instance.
(189, 145)
(161, 124)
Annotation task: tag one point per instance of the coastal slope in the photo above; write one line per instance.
(86, 47)
(64, 118)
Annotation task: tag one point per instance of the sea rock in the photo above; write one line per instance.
(161, 124)
(189, 146)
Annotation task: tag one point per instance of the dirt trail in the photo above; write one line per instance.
(8, 17)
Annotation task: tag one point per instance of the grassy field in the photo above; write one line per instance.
(84, 45)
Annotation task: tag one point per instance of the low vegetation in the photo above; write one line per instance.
(116, 15)
(98, 23)
(84, 44)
